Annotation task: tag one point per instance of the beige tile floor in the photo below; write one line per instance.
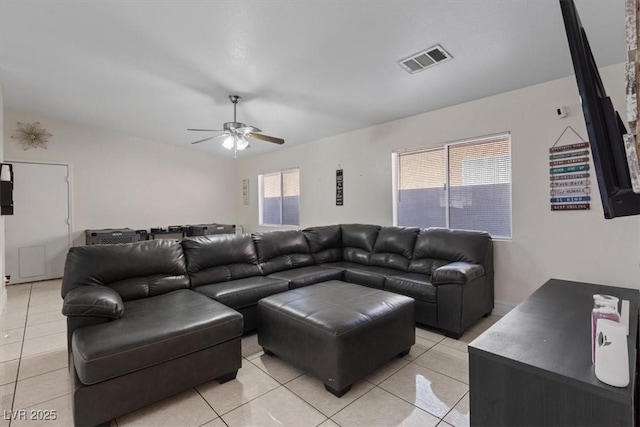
(428, 387)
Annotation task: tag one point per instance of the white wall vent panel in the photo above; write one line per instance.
(32, 261)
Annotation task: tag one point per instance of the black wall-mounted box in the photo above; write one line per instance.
(6, 189)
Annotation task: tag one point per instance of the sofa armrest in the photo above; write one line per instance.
(93, 301)
(456, 273)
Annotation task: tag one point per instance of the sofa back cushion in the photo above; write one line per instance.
(394, 247)
(358, 241)
(220, 258)
(436, 247)
(134, 270)
(282, 250)
(325, 243)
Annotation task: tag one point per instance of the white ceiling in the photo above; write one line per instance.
(307, 69)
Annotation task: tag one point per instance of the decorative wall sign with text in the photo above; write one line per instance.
(339, 187)
(570, 187)
(245, 191)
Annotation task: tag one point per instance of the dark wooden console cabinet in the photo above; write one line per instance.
(533, 367)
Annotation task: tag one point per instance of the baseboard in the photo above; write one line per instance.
(500, 308)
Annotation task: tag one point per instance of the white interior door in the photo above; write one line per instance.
(37, 235)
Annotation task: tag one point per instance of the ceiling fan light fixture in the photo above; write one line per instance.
(228, 142)
(242, 142)
(236, 135)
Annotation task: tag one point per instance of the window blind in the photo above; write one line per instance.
(462, 185)
(291, 197)
(480, 186)
(280, 194)
(421, 188)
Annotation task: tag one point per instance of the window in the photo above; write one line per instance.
(279, 198)
(465, 185)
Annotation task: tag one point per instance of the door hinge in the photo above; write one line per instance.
(68, 179)
(68, 221)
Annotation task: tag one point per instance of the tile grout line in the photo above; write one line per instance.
(349, 404)
(302, 398)
(37, 354)
(15, 385)
(308, 403)
(274, 378)
(323, 421)
(374, 386)
(41, 401)
(283, 385)
(435, 370)
(218, 418)
(417, 364)
(40, 355)
(208, 404)
(410, 403)
(249, 401)
(454, 406)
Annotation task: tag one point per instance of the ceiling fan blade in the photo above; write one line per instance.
(248, 129)
(206, 130)
(266, 138)
(211, 137)
(202, 140)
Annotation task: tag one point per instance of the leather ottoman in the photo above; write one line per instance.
(336, 331)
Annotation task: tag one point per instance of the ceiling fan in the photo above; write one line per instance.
(236, 135)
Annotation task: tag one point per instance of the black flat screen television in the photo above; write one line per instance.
(604, 126)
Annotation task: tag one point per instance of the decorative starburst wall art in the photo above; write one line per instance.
(31, 135)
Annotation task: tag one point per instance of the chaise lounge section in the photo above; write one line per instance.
(137, 334)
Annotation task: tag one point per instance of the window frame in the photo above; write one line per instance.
(395, 162)
(261, 198)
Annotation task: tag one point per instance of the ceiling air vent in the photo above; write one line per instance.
(426, 59)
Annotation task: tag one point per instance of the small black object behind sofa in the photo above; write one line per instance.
(150, 319)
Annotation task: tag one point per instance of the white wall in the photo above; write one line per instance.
(3, 290)
(122, 181)
(579, 245)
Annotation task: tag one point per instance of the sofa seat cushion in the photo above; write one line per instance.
(414, 285)
(342, 265)
(305, 276)
(368, 275)
(152, 331)
(243, 292)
